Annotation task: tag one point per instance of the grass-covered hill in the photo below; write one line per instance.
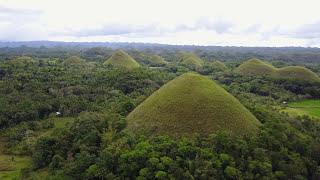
(218, 66)
(258, 67)
(74, 60)
(121, 59)
(190, 104)
(255, 67)
(297, 72)
(156, 60)
(190, 60)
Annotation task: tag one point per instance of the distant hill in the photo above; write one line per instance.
(218, 66)
(255, 67)
(258, 67)
(121, 59)
(190, 104)
(297, 72)
(156, 60)
(73, 60)
(190, 60)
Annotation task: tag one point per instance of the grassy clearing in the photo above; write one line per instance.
(307, 107)
(10, 165)
(62, 122)
(191, 104)
(58, 123)
(11, 169)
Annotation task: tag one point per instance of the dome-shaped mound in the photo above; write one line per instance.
(121, 59)
(255, 67)
(73, 60)
(190, 60)
(218, 66)
(297, 72)
(156, 60)
(190, 104)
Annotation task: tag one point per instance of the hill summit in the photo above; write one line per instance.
(218, 66)
(297, 72)
(255, 67)
(190, 104)
(74, 60)
(156, 60)
(190, 60)
(121, 59)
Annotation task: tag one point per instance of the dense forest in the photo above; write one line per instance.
(63, 112)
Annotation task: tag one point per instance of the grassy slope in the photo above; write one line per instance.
(191, 60)
(258, 67)
(156, 60)
(307, 107)
(191, 104)
(121, 59)
(218, 65)
(73, 60)
(298, 72)
(11, 169)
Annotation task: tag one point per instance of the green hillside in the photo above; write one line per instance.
(297, 72)
(74, 60)
(218, 66)
(255, 67)
(121, 59)
(258, 67)
(190, 60)
(190, 104)
(156, 60)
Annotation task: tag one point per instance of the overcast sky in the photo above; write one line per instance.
(198, 22)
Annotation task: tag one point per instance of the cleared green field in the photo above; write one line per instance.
(10, 168)
(10, 165)
(307, 107)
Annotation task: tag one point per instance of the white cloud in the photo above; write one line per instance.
(204, 22)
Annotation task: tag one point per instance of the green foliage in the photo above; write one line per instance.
(88, 141)
(191, 104)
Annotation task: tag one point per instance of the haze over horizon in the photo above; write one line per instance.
(202, 22)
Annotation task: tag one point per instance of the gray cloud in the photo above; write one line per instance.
(308, 31)
(18, 15)
(112, 29)
(219, 27)
(20, 24)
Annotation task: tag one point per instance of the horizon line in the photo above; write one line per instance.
(161, 44)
